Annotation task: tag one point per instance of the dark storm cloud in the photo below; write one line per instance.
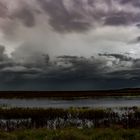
(28, 55)
(66, 67)
(135, 3)
(131, 74)
(62, 20)
(3, 56)
(11, 70)
(5, 61)
(21, 12)
(120, 18)
(138, 25)
(26, 16)
(136, 63)
(30, 65)
(72, 72)
(3, 10)
(121, 57)
(138, 39)
(83, 16)
(128, 71)
(76, 16)
(82, 67)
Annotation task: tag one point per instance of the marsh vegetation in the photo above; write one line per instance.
(72, 133)
(27, 118)
(74, 123)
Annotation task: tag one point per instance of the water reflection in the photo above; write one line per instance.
(93, 103)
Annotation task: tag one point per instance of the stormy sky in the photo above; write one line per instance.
(69, 44)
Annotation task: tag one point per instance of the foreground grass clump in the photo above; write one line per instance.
(29, 118)
(73, 134)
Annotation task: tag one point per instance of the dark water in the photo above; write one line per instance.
(93, 103)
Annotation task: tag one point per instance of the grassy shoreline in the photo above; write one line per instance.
(63, 124)
(51, 118)
(69, 124)
(73, 134)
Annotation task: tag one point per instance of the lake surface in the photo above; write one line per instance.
(54, 103)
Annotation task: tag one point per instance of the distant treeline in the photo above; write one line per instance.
(27, 118)
(68, 94)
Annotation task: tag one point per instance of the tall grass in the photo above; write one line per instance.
(73, 134)
(20, 118)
